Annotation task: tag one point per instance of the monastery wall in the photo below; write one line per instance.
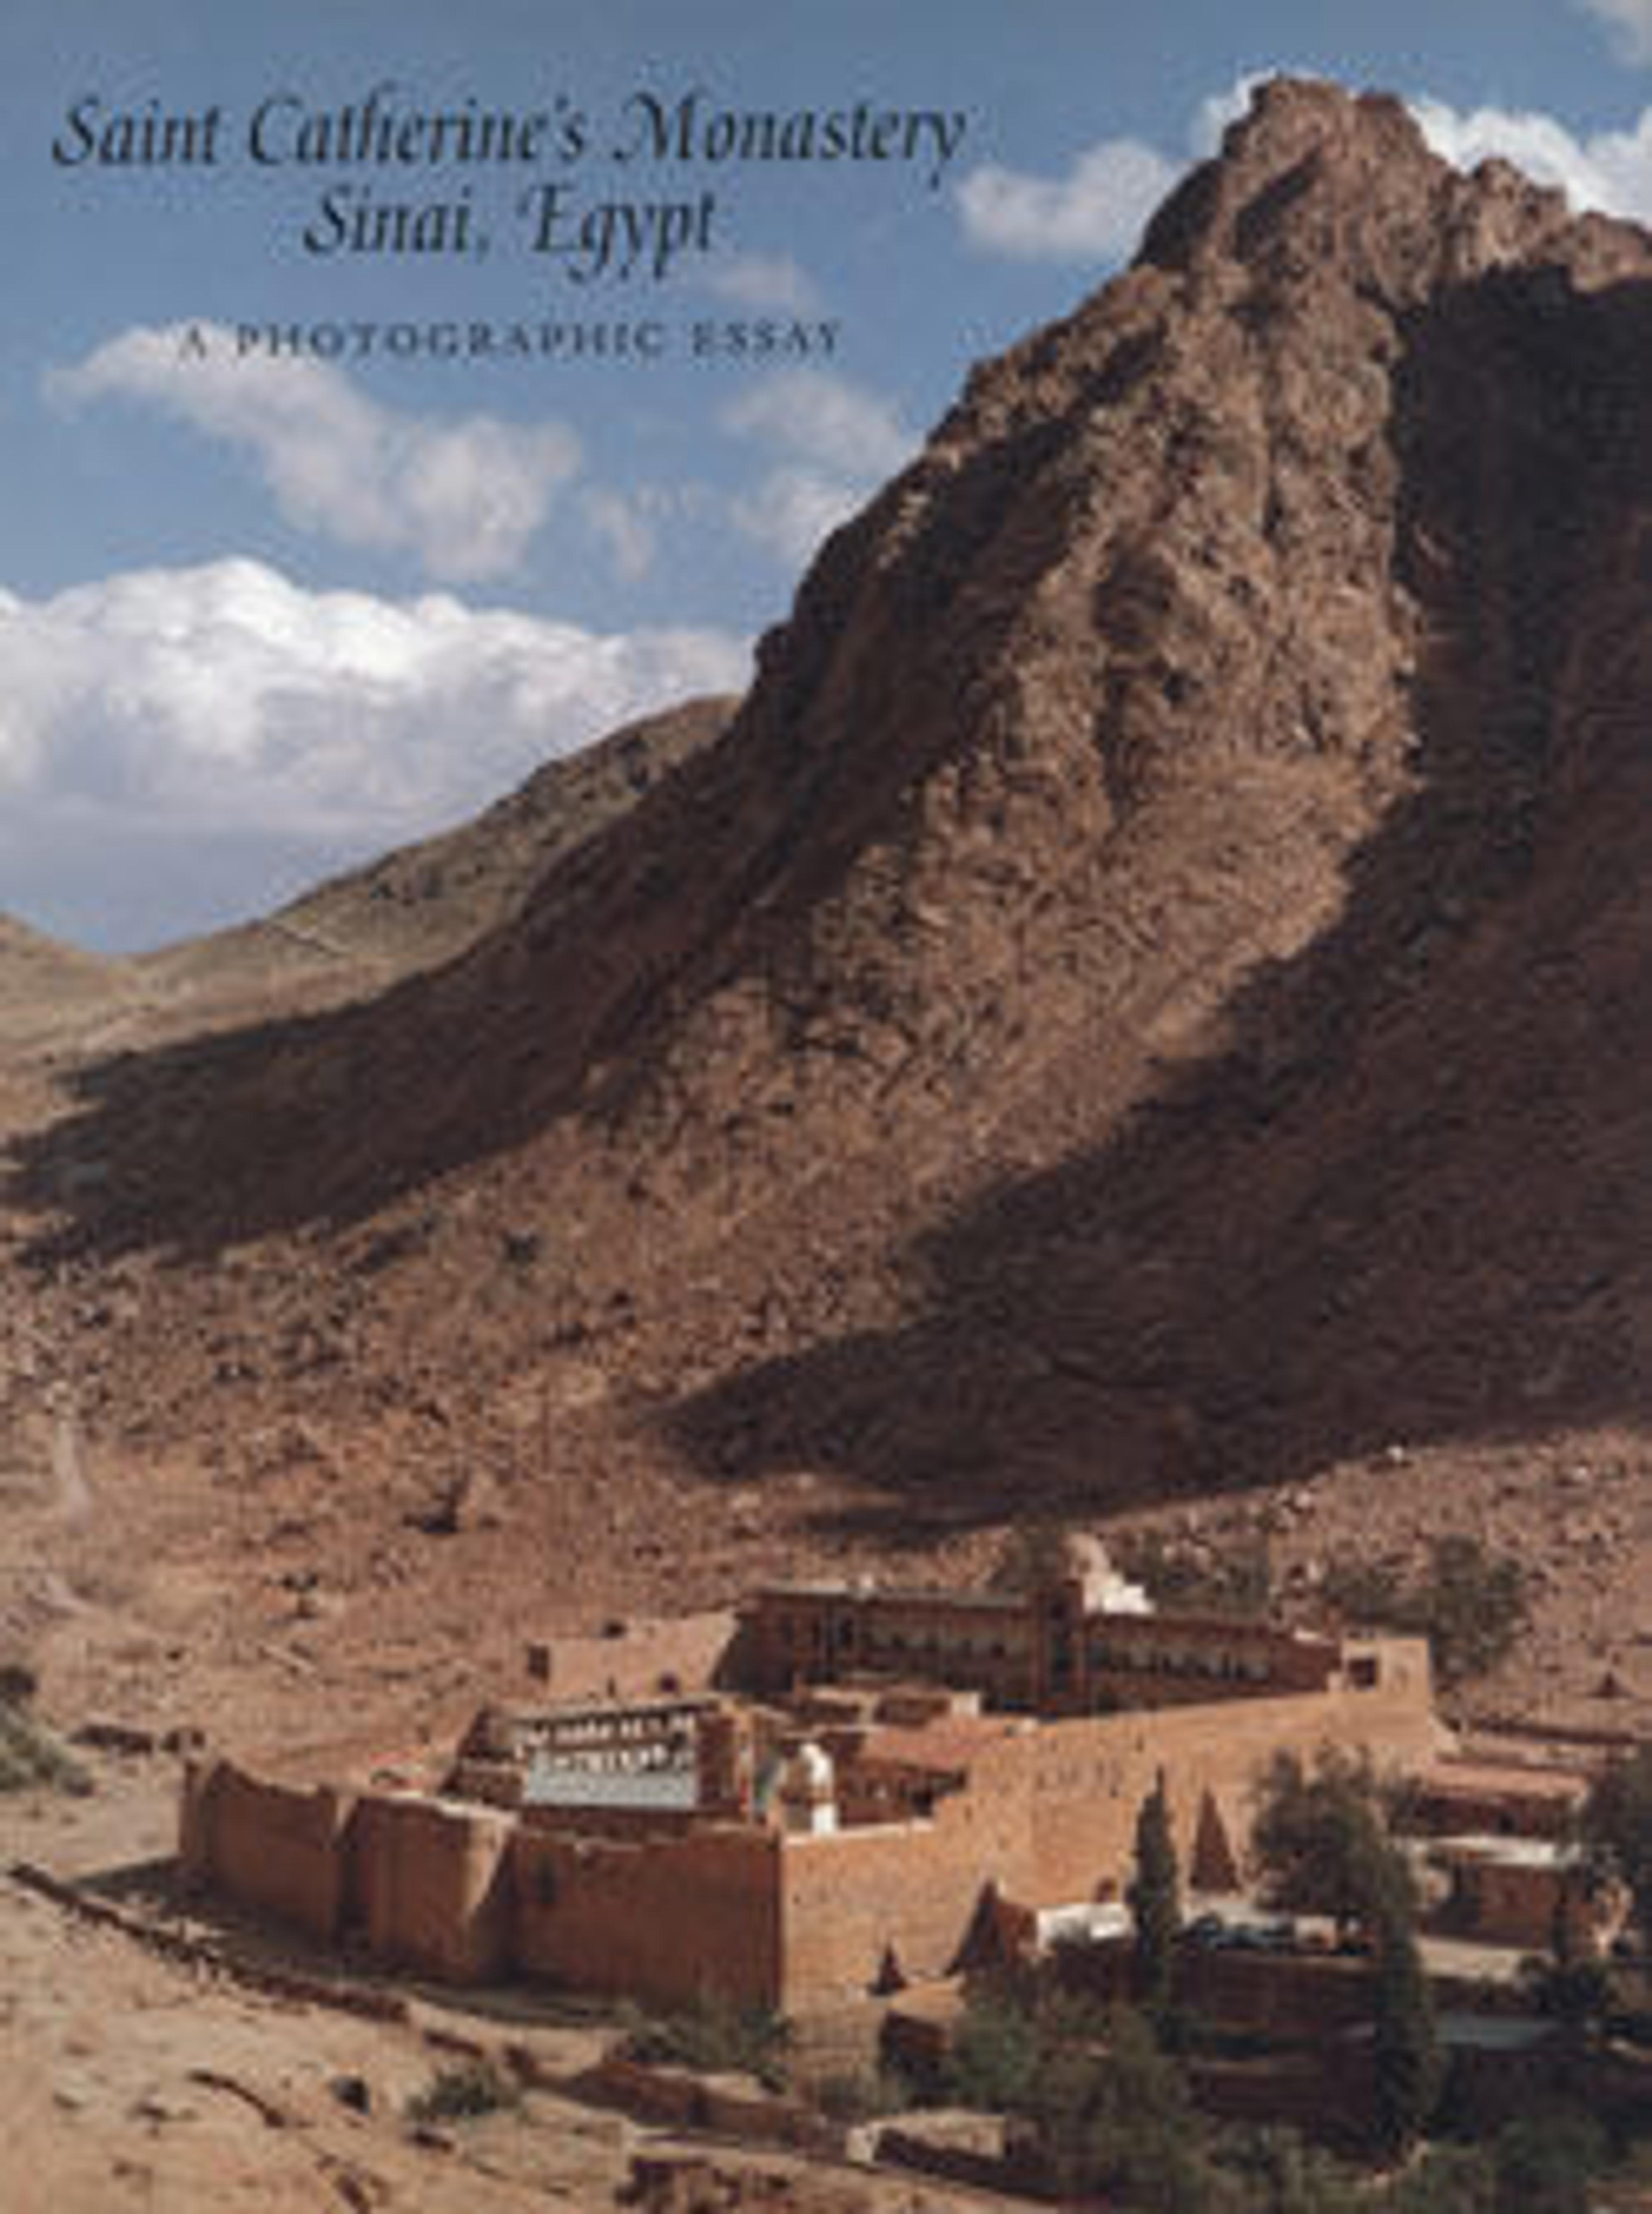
(1048, 1817)
(800, 1922)
(666, 1921)
(429, 1884)
(1090, 1777)
(851, 1897)
(275, 1847)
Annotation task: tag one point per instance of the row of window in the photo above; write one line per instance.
(1227, 1667)
(873, 1639)
(1223, 1665)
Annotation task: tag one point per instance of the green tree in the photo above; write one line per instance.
(1144, 2148)
(1272, 2170)
(1319, 1841)
(1154, 1899)
(1449, 2180)
(1618, 1831)
(1109, 2107)
(1406, 2057)
(997, 2051)
(1543, 2164)
(1569, 1984)
(1469, 1603)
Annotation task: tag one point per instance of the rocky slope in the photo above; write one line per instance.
(425, 903)
(1149, 995)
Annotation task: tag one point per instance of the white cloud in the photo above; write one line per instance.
(823, 417)
(188, 707)
(1607, 170)
(770, 284)
(1611, 170)
(1094, 213)
(1629, 21)
(465, 498)
(793, 508)
(1218, 109)
(620, 525)
(835, 443)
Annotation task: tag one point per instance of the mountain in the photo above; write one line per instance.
(1148, 997)
(37, 971)
(422, 904)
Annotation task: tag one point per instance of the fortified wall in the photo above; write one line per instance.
(1047, 1818)
(798, 1850)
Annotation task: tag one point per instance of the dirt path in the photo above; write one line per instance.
(74, 1493)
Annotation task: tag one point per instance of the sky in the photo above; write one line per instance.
(394, 395)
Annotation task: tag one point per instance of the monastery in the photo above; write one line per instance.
(869, 1773)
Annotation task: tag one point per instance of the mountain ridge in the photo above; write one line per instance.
(1141, 998)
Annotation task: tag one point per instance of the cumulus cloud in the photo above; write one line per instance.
(1094, 213)
(225, 706)
(621, 525)
(766, 284)
(825, 418)
(1630, 23)
(464, 497)
(1611, 170)
(792, 508)
(1218, 109)
(833, 441)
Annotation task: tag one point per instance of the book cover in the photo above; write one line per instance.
(1052, 1189)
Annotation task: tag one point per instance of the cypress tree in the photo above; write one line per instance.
(1407, 2053)
(1156, 1903)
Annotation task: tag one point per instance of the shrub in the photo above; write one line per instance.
(462, 2092)
(859, 2094)
(1543, 2163)
(1470, 1604)
(1618, 1831)
(997, 2052)
(30, 1755)
(715, 2036)
(1240, 1581)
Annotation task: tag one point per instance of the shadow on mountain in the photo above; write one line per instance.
(323, 1120)
(1404, 1197)
(1407, 1200)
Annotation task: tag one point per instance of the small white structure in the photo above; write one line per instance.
(808, 1792)
(1105, 1591)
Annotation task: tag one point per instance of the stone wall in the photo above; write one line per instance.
(274, 1847)
(426, 1884)
(664, 1921)
(1049, 1818)
(807, 1923)
(429, 1885)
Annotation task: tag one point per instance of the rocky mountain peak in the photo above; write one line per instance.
(1144, 990)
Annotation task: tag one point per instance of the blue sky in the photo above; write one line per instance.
(264, 609)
